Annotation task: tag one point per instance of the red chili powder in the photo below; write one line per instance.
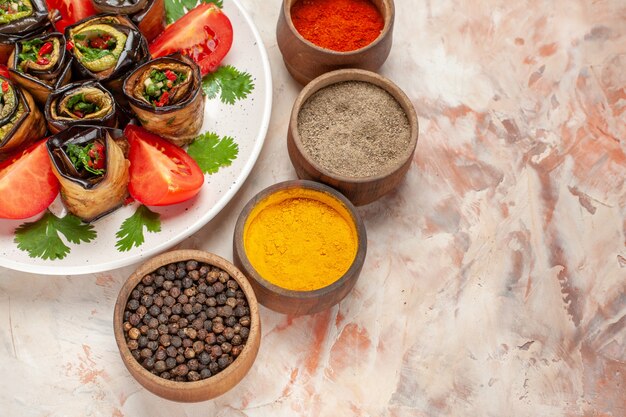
(340, 25)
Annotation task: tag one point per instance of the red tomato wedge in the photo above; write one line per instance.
(27, 184)
(205, 34)
(4, 71)
(160, 173)
(71, 11)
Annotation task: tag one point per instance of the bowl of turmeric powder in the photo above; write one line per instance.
(302, 245)
(318, 36)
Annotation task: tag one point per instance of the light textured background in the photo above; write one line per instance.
(496, 275)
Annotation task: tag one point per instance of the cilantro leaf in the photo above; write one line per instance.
(131, 231)
(230, 82)
(212, 152)
(175, 9)
(41, 238)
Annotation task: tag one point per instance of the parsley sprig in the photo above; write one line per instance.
(175, 9)
(131, 231)
(230, 83)
(41, 239)
(212, 152)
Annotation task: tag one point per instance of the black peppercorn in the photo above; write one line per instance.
(132, 305)
(160, 354)
(221, 299)
(231, 321)
(160, 366)
(165, 340)
(228, 333)
(244, 332)
(186, 321)
(170, 363)
(224, 361)
(194, 275)
(193, 364)
(180, 370)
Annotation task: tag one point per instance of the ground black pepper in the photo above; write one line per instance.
(186, 321)
(354, 128)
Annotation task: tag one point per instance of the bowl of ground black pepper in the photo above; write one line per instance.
(302, 244)
(318, 36)
(355, 131)
(187, 325)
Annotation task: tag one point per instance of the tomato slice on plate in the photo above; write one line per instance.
(27, 184)
(71, 11)
(160, 173)
(4, 71)
(205, 34)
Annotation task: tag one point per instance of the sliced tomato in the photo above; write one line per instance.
(27, 184)
(71, 11)
(205, 34)
(160, 173)
(4, 71)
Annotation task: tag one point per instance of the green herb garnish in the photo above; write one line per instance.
(29, 50)
(229, 82)
(78, 105)
(81, 159)
(92, 54)
(41, 238)
(212, 152)
(131, 230)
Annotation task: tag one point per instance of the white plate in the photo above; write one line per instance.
(246, 121)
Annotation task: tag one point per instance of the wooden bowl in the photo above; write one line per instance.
(359, 190)
(290, 301)
(207, 388)
(305, 60)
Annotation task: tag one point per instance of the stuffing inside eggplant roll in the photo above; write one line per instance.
(164, 84)
(11, 108)
(38, 55)
(11, 10)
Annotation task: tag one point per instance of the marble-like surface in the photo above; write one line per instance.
(495, 283)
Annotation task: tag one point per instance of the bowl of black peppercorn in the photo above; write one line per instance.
(187, 325)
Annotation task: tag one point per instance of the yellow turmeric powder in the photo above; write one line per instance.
(300, 239)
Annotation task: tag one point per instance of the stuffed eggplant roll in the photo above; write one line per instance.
(166, 96)
(20, 19)
(147, 15)
(106, 48)
(41, 65)
(86, 103)
(21, 122)
(91, 169)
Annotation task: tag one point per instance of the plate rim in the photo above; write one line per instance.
(60, 270)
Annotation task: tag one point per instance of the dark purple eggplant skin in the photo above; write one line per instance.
(110, 120)
(78, 135)
(147, 15)
(121, 6)
(135, 53)
(38, 22)
(59, 72)
(190, 108)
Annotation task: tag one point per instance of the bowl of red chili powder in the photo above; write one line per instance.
(318, 36)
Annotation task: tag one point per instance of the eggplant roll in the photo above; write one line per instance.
(91, 169)
(21, 123)
(86, 103)
(18, 20)
(106, 48)
(41, 65)
(166, 96)
(148, 15)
